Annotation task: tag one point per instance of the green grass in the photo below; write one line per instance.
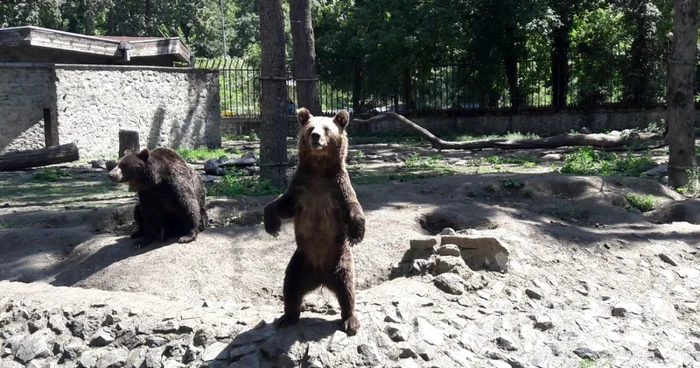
(50, 174)
(587, 363)
(236, 185)
(568, 212)
(416, 161)
(587, 161)
(202, 153)
(642, 202)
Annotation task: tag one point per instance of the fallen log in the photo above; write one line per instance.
(39, 157)
(601, 141)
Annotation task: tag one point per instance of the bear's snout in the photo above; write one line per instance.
(116, 175)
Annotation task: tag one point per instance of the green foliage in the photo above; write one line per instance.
(512, 183)
(202, 153)
(642, 202)
(587, 161)
(236, 185)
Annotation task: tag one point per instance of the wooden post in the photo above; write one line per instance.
(39, 157)
(128, 140)
(50, 130)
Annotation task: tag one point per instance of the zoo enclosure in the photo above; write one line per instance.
(467, 88)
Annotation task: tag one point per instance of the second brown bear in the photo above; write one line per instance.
(328, 219)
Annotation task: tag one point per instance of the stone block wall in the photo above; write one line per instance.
(167, 106)
(24, 94)
(174, 107)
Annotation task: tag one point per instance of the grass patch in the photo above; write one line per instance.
(642, 202)
(236, 185)
(50, 174)
(202, 153)
(587, 161)
(587, 363)
(416, 161)
(568, 212)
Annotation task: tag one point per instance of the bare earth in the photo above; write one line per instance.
(620, 288)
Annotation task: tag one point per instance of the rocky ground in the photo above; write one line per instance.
(556, 271)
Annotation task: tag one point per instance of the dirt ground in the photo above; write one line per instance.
(564, 232)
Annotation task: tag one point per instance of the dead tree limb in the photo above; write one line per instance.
(601, 141)
(39, 157)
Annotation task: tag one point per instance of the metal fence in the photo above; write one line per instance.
(463, 87)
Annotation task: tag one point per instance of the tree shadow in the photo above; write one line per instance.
(155, 129)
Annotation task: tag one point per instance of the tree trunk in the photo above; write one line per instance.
(304, 56)
(408, 91)
(681, 135)
(128, 140)
(39, 157)
(560, 70)
(603, 141)
(273, 104)
(357, 86)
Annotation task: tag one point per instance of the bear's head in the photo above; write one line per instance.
(321, 136)
(133, 169)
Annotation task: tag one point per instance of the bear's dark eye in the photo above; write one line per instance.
(326, 129)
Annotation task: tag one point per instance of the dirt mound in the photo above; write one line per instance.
(681, 211)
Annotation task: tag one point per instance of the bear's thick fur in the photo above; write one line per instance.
(328, 219)
(171, 195)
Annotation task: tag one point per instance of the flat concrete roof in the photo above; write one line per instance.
(36, 44)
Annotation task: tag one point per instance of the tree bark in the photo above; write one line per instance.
(39, 157)
(602, 141)
(679, 100)
(304, 56)
(128, 140)
(560, 68)
(273, 104)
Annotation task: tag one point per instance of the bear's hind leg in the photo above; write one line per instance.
(138, 218)
(342, 283)
(300, 278)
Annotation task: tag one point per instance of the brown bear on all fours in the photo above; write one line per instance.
(328, 219)
(171, 195)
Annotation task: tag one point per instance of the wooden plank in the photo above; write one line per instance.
(128, 140)
(39, 157)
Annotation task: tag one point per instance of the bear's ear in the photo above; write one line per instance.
(144, 154)
(341, 119)
(303, 115)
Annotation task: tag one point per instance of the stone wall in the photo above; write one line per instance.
(544, 124)
(172, 107)
(24, 94)
(167, 106)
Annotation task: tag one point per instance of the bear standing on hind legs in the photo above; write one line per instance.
(328, 219)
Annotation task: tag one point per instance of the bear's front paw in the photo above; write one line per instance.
(356, 229)
(272, 226)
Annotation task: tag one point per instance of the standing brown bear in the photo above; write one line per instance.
(171, 195)
(328, 219)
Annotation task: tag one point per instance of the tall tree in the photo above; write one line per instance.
(273, 135)
(304, 55)
(681, 136)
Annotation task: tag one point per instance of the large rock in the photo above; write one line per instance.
(480, 253)
(34, 346)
